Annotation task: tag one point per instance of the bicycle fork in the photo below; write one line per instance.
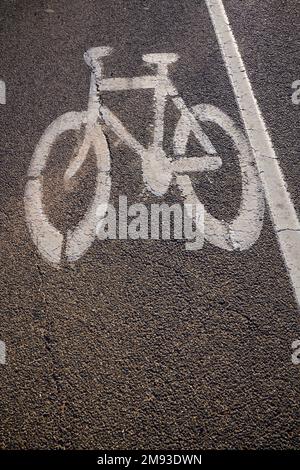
(91, 119)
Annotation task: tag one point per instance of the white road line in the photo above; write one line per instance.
(296, 94)
(2, 92)
(282, 210)
(2, 353)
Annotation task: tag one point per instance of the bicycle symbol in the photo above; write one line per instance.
(158, 168)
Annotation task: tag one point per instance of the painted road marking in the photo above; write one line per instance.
(296, 94)
(158, 168)
(2, 92)
(2, 353)
(282, 210)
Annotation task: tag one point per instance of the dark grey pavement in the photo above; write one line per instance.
(142, 344)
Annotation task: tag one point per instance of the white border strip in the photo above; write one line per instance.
(281, 208)
(2, 92)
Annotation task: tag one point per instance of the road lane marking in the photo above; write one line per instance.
(281, 208)
(296, 352)
(2, 353)
(296, 94)
(2, 92)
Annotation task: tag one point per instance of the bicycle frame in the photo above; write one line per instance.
(158, 168)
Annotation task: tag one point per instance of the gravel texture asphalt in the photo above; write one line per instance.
(142, 344)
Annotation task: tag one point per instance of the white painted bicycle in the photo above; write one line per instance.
(158, 168)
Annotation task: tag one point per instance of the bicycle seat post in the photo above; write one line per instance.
(163, 88)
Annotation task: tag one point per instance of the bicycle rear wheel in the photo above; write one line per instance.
(243, 231)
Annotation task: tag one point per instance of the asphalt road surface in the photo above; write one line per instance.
(142, 344)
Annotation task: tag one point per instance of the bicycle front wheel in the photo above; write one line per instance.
(49, 241)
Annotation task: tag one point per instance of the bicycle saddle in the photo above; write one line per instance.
(162, 58)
